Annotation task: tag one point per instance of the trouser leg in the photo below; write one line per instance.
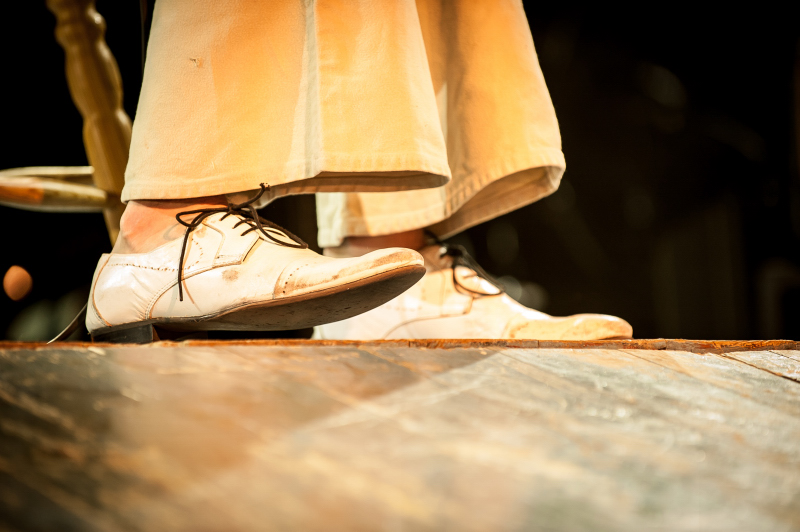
(499, 125)
(307, 96)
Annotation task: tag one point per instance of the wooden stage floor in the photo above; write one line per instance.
(431, 435)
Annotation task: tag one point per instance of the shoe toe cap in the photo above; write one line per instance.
(577, 327)
(319, 272)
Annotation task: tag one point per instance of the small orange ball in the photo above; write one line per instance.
(17, 282)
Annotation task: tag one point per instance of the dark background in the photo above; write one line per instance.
(679, 211)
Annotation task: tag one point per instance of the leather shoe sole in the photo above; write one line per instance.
(294, 312)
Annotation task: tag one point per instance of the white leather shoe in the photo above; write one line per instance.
(454, 301)
(259, 280)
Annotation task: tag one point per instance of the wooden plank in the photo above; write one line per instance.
(96, 87)
(192, 412)
(603, 344)
(742, 379)
(562, 394)
(687, 416)
(794, 355)
(456, 343)
(75, 174)
(387, 436)
(692, 346)
(727, 346)
(774, 363)
(50, 194)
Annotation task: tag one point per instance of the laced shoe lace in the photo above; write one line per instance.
(248, 216)
(459, 257)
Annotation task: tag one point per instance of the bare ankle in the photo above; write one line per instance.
(148, 224)
(354, 246)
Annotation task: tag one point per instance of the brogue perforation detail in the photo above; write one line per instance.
(248, 216)
(286, 282)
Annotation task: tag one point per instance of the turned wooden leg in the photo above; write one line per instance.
(96, 88)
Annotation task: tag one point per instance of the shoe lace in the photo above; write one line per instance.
(247, 212)
(460, 257)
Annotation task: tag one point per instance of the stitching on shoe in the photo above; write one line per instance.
(94, 300)
(200, 258)
(97, 314)
(227, 259)
(212, 224)
(286, 282)
(218, 225)
(165, 268)
(156, 296)
(161, 291)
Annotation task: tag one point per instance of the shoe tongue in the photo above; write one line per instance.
(471, 280)
(244, 224)
(434, 258)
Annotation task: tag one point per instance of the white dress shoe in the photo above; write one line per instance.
(237, 272)
(456, 301)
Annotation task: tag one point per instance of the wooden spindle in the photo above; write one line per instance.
(96, 87)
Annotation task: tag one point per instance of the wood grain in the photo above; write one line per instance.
(391, 436)
(691, 346)
(723, 372)
(51, 194)
(726, 346)
(74, 174)
(793, 354)
(96, 87)
(775, 363)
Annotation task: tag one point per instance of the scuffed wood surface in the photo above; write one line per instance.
(775, 363)
(793, 354)
(723, 346)
(747, 381)
(391, 436)
(691, 346)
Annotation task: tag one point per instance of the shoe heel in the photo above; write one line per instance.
(145, 334)
(141, 334)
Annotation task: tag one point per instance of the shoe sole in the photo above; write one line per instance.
(297, 312)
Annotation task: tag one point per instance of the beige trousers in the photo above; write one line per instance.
(398, 114)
